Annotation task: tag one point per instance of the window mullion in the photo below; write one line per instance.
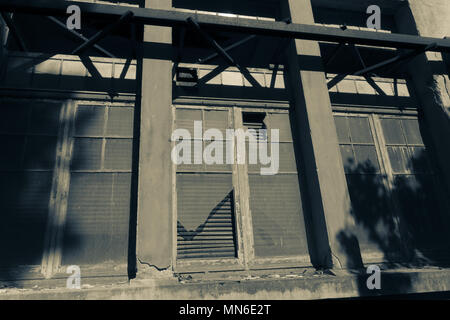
(244, 218)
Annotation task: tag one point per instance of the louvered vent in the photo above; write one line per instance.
(254, 122)
(205, 226)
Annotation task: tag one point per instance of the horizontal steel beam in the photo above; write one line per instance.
(220, 23)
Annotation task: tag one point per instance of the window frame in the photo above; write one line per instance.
(245, 256)
(375, 115)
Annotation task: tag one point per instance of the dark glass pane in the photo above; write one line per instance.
(342, 129)
(375, 225)
(45, 118)
(367, 159)
(14, 118)
(24, 200)
(420, 211)
(360, 130)
(348, 159)
(419, 162)
(87, 154)
(392, 130)
(412, 131)
(12, 152)
(90, 121)
(97, 222)
(40, 152)
(277, 216)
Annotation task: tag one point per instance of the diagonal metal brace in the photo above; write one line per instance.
(230, 47)
(396, 59)
(80, 36)
(103, 33)
(221, 52)
(16, 33)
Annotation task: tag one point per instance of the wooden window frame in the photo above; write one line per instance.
(246, 259)
(53, 247)
(374, 116)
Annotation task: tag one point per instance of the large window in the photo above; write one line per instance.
(65, 179)
(229, 214)
(28, 139)
(396, 199)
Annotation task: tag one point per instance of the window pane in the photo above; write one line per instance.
(419, 162)
(120, 122)
(118, 154)
(40, 152)
(281, 122)
(277, 216)
(215, 119)
(373, 217)
(87, 154)
(45, 118)
(97, 223)
(90, 120)
(360, 130)
(412, 131)
(348, 158)
(12, 149)
(367, 159)
(24, 198)
(399, 159)
(185, 120)
(342, 129)
(14, 117)
(392, 131)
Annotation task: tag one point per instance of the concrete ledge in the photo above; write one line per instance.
(325, 286)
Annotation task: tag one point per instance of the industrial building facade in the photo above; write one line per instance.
(87, 176)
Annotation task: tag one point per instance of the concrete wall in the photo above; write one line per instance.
(154, 220)
(325, 178)
(429, 73)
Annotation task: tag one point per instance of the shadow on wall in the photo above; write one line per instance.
(407, 223)
(28, 140)
(95, 219)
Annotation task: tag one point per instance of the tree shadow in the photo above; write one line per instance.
(399, 224)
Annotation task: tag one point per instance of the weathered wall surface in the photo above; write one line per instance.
(429, 73)
(300, 287)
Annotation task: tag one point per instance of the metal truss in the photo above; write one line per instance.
(200, 22)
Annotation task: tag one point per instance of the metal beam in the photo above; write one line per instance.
(223, 53)
(80, 36)
(396, 59)
(15, 32)
(103, 33)
(230, 47)
(257, 27)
